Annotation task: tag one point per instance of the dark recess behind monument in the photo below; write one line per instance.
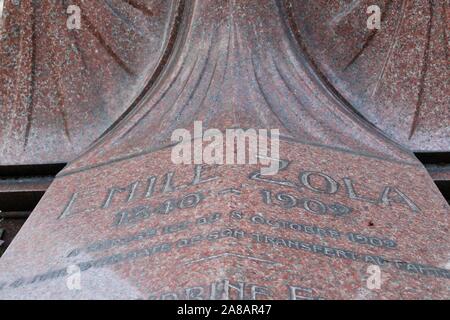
(21, 189)
(433, 160)
(23, 186)
(434, 157)
(22, 171)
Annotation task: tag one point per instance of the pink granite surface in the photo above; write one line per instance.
(60, 88)
(137, 226)
(397, 76)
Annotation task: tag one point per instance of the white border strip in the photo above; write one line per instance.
(1, 9)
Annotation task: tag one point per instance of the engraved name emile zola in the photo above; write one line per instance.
(87, 201)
